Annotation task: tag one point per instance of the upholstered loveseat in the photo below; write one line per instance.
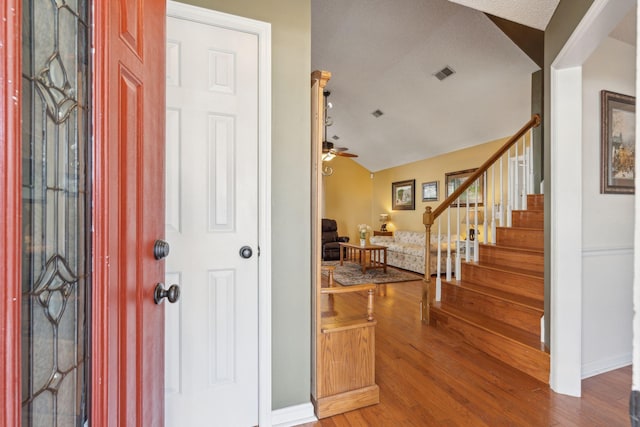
(405, 249)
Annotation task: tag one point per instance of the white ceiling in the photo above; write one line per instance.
(532, 13)
(382, 55)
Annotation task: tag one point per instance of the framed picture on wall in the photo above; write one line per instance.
(474, 194)
(430, 191)
(617, 143)
(403, 195)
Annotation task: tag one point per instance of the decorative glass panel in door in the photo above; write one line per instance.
(56, 173)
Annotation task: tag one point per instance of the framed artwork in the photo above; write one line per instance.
(474, 193)
(430, 191)
(403, 195)
(617, 143)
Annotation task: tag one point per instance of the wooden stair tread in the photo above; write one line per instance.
(511, 248)
(532, 303)
(514, 270)
(521, 228)
(490, 325)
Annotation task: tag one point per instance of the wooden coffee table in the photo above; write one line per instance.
(368, 256)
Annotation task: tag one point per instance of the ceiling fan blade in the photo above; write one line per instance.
(345, 154)
(340, 149)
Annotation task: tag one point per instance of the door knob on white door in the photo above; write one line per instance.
(246, 252)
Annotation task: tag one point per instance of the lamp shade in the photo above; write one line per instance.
(384, 217)
(472, 217)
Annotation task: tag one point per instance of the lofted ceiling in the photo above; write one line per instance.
(383, 55)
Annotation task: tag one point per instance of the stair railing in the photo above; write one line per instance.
(514, 181)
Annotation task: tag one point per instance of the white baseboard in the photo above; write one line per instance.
(293, 415)
(606, 365)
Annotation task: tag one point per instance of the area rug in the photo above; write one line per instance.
(351, 274)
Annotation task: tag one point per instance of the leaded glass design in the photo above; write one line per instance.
(55, 199)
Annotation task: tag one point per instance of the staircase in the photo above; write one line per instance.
(498, 304)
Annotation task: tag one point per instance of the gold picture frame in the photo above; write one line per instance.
(403, 195)
(453, 180)
(617, 143)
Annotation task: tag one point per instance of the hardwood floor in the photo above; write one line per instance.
(429, 377)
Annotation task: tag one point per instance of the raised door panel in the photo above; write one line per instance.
(128, 213)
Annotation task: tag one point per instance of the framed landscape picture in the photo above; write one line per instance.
(403, 195)
(453, 180)
(430, 191)
(617, 143)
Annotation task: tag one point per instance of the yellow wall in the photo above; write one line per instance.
(352, 197)
(347, 195)
(432, 169)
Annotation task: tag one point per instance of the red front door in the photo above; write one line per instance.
(129, 116)
(128, 212)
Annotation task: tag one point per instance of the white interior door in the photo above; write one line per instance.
(211, 346)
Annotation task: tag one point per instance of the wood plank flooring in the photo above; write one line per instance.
(430, 377)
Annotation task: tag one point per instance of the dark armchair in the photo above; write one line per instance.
(331, 240)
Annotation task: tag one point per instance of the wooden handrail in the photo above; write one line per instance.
(348, 289)
(534, 122)
(369, 287)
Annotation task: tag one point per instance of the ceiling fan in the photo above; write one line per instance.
(329, 150)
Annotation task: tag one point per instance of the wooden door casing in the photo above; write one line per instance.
(10, 211)
(127, 326)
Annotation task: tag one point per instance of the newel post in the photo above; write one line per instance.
(427, 220)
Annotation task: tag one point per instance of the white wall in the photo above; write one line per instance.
(607, 223)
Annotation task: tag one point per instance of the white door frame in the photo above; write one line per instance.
(566, 191)
(263, 32)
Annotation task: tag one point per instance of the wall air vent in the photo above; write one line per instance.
(377, 113)
(444, 73)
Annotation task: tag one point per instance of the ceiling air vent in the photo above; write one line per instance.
(377, 113)
(444, 73)
(335, 137)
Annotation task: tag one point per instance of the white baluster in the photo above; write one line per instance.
(477, 239)
(516, 184)
(531, 189)
(501, 194)
(448, 244)
(509, 188)
(493, 203)
(438, 278)
(458, 260)
(525, 176)
(466, 252)
(486, 210)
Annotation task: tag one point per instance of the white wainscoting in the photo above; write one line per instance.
(607, 309)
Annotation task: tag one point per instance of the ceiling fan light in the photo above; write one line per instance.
(327, 157)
